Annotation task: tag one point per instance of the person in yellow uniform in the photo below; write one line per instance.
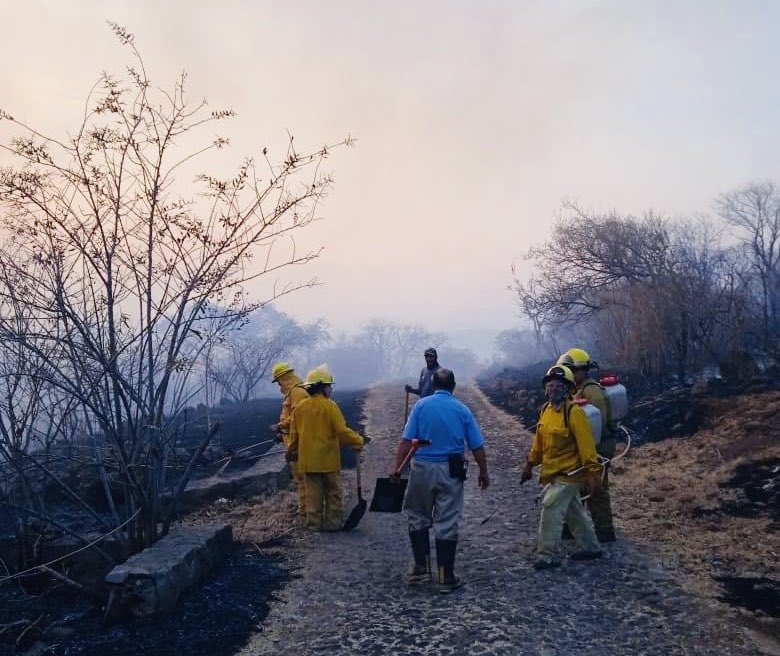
(317, 431)
(293, 392)
(599, 503)
(563, 444)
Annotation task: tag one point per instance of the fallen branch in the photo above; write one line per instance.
(18, 624)
(69, 581)
(30, 626)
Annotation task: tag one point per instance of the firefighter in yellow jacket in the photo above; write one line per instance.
(563, 445)
(317, 431)
(599, 504)
(293, 392)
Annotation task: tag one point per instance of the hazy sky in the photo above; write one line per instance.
(474, 120)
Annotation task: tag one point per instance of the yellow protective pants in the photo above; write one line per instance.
(300, 487)
(324, 504)
(298, 479)
(600, 506)
(561, 501)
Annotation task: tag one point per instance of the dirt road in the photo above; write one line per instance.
(348, 596)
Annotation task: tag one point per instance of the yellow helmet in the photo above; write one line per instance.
(279, 370)
(565, 360)
(558, 372)
(579, 358)
(319, 374)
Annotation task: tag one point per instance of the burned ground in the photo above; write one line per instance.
(699, 488)
(709, 503)
(349, 596)
(692, 573)
(215, 619)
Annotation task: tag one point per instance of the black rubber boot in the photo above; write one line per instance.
(445, 559)
(421, 549)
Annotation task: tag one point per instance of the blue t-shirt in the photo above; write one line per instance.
(446, 422)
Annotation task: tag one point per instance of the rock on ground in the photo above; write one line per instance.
(348, 596)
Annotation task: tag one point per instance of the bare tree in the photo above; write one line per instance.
(518, 346)
(120, 265)
(380, 350)
(245, 355)
(587, 255)
(657, 295)
(754, 211)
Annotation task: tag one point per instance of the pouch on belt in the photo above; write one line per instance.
(458, 466)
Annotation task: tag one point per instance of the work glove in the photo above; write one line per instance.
(527, 473)
(408, 389)
(277, 433)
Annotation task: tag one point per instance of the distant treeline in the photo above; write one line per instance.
(662, 297)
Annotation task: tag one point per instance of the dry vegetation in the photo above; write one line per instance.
(708, 504)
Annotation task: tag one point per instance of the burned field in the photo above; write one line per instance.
(214, 619)
(43, 615)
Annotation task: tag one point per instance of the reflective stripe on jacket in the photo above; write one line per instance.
(317, 431)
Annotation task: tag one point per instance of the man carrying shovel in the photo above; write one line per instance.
(425, 384)
(434, 495)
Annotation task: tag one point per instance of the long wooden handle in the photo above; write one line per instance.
(416, 444)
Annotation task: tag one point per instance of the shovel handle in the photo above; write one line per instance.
(357, 473)
(416, 444)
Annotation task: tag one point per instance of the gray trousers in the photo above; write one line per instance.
(434, 498)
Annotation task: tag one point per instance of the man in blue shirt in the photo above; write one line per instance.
(434, 495)
(425, 384)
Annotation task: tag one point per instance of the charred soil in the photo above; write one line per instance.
(700, 488)
(39, 615)
(709, 504)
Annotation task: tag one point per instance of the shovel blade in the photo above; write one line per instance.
(356, 515)
(388, 496)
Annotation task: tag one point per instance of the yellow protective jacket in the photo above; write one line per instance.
(290, 385)
(559, 449)
(317, 431)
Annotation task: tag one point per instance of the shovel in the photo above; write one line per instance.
(360, 509)
(389, 493)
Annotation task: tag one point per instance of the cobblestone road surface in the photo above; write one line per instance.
(348, 596)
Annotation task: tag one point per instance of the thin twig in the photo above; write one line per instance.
(69, 581)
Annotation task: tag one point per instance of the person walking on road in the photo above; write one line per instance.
(563, 445)
(434, 494)
(291, 388)
(425, 384)
(587, 388)
(317, 431)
